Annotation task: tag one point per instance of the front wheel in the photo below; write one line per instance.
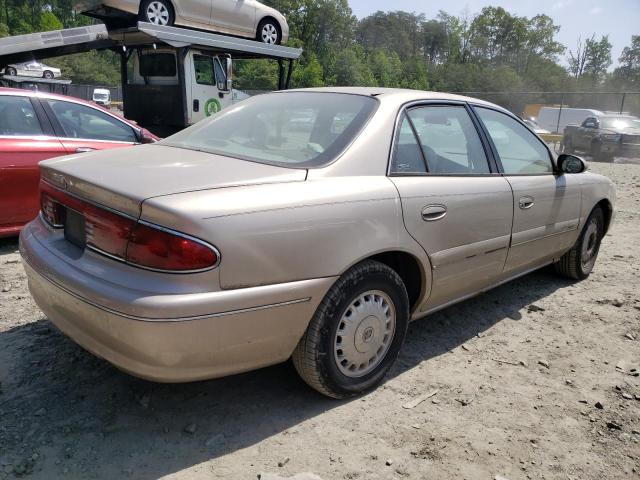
(578, 262)
(269, 32)
(356, 333)
(158, 12)
(10, 71)
(48, 75)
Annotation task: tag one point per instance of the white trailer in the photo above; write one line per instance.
(171, 77)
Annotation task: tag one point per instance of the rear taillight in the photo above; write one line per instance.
(164, 250)
(134, 242)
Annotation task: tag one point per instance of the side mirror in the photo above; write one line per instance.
(145, 137)
(571, 163)
(229, 72)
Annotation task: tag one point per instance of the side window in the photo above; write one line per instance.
(520, 151)
(203, 67)
(407, 157)
(17, 117)
(80, 121)
(449, 140)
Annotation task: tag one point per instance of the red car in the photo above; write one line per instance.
(36, 126)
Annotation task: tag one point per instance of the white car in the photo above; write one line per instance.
(33, 69)
(244, 18)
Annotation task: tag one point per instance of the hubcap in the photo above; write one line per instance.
(158, 13)
(269, 34)
(364, 334)
(590, 244)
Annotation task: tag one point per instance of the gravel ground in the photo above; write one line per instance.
(535, 379)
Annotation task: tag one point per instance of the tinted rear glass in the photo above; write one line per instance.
(295, 129)
(158, 65)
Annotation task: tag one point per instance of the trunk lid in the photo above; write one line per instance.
(123, 178)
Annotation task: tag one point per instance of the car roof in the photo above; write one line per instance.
(18, 92)
(398, 95)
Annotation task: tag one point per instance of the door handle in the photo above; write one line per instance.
(84, 149)
(431, 213)
(526, 203)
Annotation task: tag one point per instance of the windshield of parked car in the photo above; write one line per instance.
(293, 129)
(621, 123)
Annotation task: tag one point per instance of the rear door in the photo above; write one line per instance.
(195, 10)
(26, 137)
(236, 15)
(546, 205)
(82, 128)
(454, 202)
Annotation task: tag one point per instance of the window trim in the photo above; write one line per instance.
(61, 134)
(496, 155)
(494, 168)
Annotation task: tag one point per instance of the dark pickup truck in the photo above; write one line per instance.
(604, 137)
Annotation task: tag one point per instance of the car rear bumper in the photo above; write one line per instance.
(630, 150)
(230, 339)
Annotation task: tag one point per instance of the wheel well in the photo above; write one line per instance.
(268, 17)
(607, 209)
(408, 267)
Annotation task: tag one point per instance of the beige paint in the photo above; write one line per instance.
(285, 236)
(225, 16)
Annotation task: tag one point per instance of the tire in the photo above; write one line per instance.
(597, 153)
(578, 262)
(10, 71)
(157, 12)
(48, 75)
(375, 298)
(269, 32)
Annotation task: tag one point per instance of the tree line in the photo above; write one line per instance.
(491, 51)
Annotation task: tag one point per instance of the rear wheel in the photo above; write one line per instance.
(598, 155)
(356, 332)
(269, 32)
(11, 71)
(578, 262)
(158, 12)
(48, 75)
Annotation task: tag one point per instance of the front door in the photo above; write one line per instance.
(207, 98)
(546, 205)
(454, 205)
(235, 16)
(82, 128)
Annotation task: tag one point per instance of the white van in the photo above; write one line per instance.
(548, 117)
(102, 96)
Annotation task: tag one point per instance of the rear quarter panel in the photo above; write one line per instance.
(596, 188)
(278, 233)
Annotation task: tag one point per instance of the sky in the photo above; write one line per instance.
(617, 18)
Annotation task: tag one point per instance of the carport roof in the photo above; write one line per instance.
(21, 48)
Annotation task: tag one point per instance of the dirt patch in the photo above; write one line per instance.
(538, 378)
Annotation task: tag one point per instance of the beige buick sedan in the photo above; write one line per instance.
(311, 224)
(244, 18)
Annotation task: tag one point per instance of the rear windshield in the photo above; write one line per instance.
(620, 122)
(158, 65)
(293, 129)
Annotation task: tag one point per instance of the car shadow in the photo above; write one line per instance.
(89, 414)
